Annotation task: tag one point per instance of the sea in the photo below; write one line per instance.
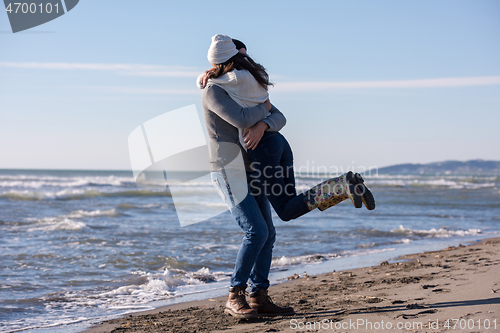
(79, 247)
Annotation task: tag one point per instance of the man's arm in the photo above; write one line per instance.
(276, 120)
(218, 101)
(201, 81)
(253, 134)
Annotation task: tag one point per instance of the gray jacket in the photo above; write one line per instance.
(223, 117)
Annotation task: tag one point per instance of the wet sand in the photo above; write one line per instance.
(453, 290)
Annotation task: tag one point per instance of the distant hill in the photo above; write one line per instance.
(474, 167)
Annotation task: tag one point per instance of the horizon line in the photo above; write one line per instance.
(130, 170)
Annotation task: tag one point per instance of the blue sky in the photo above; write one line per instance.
(362, 83)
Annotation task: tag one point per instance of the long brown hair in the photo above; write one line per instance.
(241, 61)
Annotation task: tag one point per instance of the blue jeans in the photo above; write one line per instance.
(273, 161)
(253, 215)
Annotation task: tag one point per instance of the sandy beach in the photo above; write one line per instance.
(455, 289)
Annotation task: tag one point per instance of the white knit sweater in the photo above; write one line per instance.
(242, 87)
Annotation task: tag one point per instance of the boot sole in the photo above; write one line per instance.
(241, 316)
(365, 193)
(356, 199)
(366, 196)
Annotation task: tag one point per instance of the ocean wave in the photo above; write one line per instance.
(451, 182)
(465, 178)
(285, 262)
(140, 290)
(39, 323)
(439, 233)
(27, 181)
(43, 195)
(75, 194)
(127, 206)
(149, 287)
(66, 222)
(95, 213)
(174, 182)
(374, 244)
(57, 223)
(429, 183)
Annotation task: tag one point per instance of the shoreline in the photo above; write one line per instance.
(423, 290)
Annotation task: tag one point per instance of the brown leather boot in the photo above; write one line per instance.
(261, 302)
(237, 305)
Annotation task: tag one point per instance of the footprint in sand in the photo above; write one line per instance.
(428, 286)
(398, 302)
(415, 315)
(416, 306)
(441, 290)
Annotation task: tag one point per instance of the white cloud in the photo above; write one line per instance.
(155, 91)
(129, 69)
(326, 86)
(169, 73)
(425, 83)
(302, 86)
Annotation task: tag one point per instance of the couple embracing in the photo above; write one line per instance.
(238, 113)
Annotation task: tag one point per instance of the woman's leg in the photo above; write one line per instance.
(273, 160)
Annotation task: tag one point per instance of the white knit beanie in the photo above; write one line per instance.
(221, 50)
